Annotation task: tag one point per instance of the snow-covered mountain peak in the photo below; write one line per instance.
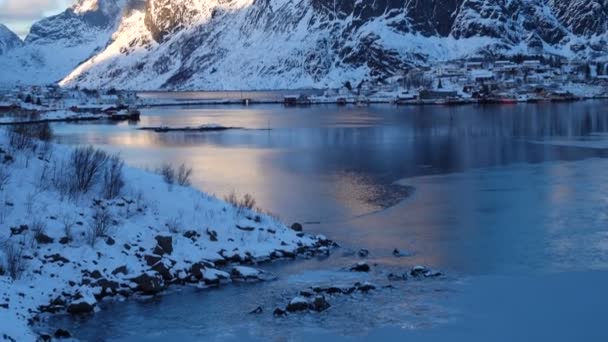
(8, 39)
(237, 44)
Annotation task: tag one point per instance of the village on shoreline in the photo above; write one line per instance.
(507, 81)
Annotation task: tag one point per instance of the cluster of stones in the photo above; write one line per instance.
(161, 272)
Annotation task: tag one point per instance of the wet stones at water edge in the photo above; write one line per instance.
(361, 266)
(318, 304)
(161, 271)
(422, 271)
(417, 272)
(164, 246)
(250, 274)
(363, 253)
(399, 254)
(314, 299)
(257, 310)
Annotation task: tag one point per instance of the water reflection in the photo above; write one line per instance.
(331, 165)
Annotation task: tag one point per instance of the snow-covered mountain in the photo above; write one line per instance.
(8, 39)
(257, 44)
(57, 44)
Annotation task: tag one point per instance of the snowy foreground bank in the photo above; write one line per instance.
(65, 248)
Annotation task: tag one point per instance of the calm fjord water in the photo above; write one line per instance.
(474, 190)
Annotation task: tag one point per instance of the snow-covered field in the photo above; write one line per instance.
(66, 251)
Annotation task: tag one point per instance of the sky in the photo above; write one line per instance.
(19, 15)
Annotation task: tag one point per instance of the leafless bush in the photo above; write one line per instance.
(85, 166)
(183, 175)
(18, 140)
(13, 262)
(113, 181)
(68, 222)
(5, 176)
(5, 209)
(30, 199)
(174, 225)
(100, 224)
(168, 174)
(38, 229)
(45, 150)
(59, 176)
(22, 136)
(246, 203)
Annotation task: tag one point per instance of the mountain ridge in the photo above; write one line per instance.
(272, 44)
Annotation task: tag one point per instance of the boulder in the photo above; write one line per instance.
(360, 267)
(278, 312)
(56, 258)
(363, 253)
(121, 269)
(297, 304)
(418, 271)
(152, 260)
(110, 241)
(107, 286)
(79, 308)
(197, 270)
(42, 238)
(319, 304)
(165, 243)
(95, 274)
(212, 235)
(398, 254)
(397, 277)
(365, 287)
(296, 227)
(163, 270)
(257, 310)
(191, 234)
(148, 285)
(20, 230)
(60, 333)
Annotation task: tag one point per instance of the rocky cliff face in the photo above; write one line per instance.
(8, 39)
(236, 44)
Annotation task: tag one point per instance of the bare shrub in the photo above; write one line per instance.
(166, 170)
(30, 199)
(86, 165)
(68, 222)
(22, 136)
(5, 209)
(100, 224)
(183, 175)
(232, 199)
(174, 225)
(45, 150)
(5, 176)
(18, 140)
(38, 229)
(113, 180)
(59, 176)
(13, 262)
(246, 203)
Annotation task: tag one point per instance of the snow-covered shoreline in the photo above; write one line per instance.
(158, 234)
